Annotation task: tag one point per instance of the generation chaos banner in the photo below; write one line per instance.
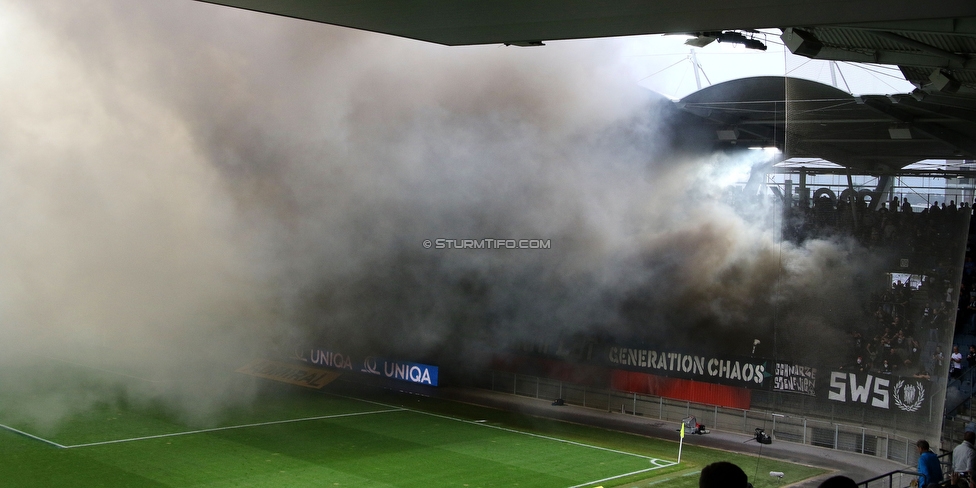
(752, 373)
(743, 372)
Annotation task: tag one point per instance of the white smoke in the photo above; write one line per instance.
(184, 187)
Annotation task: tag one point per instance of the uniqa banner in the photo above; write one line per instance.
(332, 359)
(894, 393)
(752, 373)
(399, 370)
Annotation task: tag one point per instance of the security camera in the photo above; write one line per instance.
(777, 474)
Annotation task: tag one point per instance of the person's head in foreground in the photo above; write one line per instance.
(723, 474)
(838, 482)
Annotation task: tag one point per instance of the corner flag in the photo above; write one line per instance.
(682, 441)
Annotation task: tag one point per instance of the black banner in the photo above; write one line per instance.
(733, 371)
(794, 378)
(743, 372)
(887, 392)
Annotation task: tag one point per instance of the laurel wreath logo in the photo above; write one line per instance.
(909, 397)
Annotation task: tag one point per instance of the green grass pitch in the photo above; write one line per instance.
(295, 437)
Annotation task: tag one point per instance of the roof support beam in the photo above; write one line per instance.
(932, 57)
(955, 60)
(961, 114)
(829, 152)
(948, 25)
(936, 131)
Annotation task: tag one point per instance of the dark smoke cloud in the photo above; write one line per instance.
(186, 184)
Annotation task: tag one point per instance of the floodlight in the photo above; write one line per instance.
(749, 41)
(899, 132)
(770, 150)
(727, 134)
(801, 43)
(943, 81)
(702, 39)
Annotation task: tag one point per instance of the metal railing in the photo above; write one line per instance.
(888, 480)
(889, 444)
(790, 428)
(965, 385)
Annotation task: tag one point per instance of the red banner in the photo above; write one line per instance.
(681, 389)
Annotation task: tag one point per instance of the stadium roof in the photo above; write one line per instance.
(933, 44)
(455, 23)
(806, 119)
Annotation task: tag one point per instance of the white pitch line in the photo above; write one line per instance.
(481, 423)
(544, 437)
(665, 480)
(656, 466)
(55, 444)
(273, 422)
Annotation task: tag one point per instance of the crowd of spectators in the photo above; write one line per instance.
(905, 323)
(895, 225)
(890, 345)
(907, 320)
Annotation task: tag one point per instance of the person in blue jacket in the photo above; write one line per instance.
(929, 469)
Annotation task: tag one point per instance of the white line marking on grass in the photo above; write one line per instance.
(658, 463)
(11, 429)
(665, 480)
(273, 422)
(566, 441)
(619, 476)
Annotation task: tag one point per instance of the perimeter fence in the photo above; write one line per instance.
(862, 439)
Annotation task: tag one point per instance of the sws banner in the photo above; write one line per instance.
(895, 393)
